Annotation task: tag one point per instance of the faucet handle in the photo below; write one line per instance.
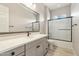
(28, 33)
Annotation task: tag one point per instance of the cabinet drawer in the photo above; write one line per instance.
(13, 52)
(36, 50)
(31, 52)
(33, 43)
(37, 47)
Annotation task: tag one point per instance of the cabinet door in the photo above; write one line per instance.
(31, 51)
(39, 49)
(45, 47)
(36, 50)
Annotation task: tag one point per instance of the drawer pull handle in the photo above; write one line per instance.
(13, 53)
(38, 46)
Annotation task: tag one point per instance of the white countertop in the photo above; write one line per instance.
(14, 42)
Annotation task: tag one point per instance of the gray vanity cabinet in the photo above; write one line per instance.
(19, 51)
(37, 48)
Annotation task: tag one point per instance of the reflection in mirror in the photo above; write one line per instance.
(4, 19)
(36, 26)
(15, 17)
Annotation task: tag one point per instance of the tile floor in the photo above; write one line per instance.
(58, 51)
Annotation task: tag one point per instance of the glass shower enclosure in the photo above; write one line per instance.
(60, 29)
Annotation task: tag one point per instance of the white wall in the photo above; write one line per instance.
(44, 15)
(63, 11)
(75, 37)
(40, 10)
(47, 18)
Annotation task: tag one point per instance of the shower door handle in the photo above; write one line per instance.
(74, 25)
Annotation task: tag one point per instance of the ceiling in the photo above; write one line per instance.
(56, 5)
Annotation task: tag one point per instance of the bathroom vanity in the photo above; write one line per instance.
(22, 45)
(20, 18)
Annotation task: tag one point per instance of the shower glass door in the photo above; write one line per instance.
(60, 29)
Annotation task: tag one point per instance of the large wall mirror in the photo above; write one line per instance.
(15, 17)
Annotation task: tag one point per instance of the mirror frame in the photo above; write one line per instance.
(36, 14)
